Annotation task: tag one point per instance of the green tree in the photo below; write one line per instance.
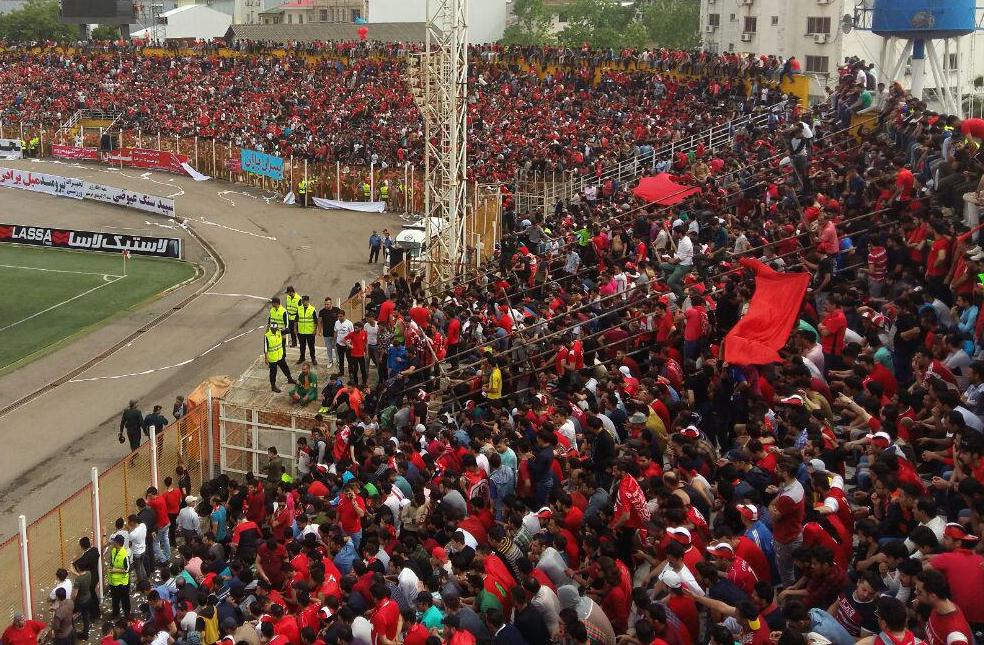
(674, 24)
(603, 23)
(106, 32)
(36, 20)
(533, 24)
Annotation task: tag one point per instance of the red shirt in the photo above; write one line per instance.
(685, 609)
(172, 499)
(758, 637)
(26, 635)
(835, 323)
(159, 506)
(386, 310)
(454, 333)
(906, 181)
(385, 620)
(287, 627)
(750, 552)
(948, 629)
(791, 507)
(742, 575)
(940, 246)
(420, 315)
(964, 571)
(693, 330)
(358, 338)
(416, 635)
(347, 516)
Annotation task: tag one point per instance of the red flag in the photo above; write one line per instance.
(772, 312)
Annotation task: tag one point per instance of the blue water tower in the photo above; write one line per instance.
(919, 23)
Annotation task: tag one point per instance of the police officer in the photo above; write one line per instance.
(278, 315)
(276, 355)
(307, 325)
(293, 302)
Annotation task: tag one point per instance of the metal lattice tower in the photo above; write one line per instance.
(438, 78)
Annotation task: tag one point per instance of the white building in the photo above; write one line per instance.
(197, 21)
(486, 18)
(811, 30)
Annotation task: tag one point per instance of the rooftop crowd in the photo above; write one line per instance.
(554, 450)
(361, 111)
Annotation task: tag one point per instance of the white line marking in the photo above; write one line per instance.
(235, 295)
(229, 228)
(14, 266)
(168, 367)
(106, 283)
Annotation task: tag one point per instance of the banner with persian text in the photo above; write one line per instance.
(130, 199)
(162, 247)
(40, 182)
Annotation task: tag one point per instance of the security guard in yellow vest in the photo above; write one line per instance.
(307, 325)
(293, 301)
(276, 355)
(278, 315)
(118, 577)
(302, 191)
(384, 191)
(366, 190)
(33, 146)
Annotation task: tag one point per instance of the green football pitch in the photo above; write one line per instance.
(51, 296)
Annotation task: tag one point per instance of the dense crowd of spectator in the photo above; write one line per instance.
(554, 450)
(355, 105)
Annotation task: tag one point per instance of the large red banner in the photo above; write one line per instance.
(71, 152)
(150, 159)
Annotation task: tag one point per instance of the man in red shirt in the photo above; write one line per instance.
(694, 328)
(963, 570)
(351, 509)
(723, 557)
(787, 511)
(938, 262)
(832, 329)
(162, 541)
(356, 340)
(947, 624)
(386, 619)
(22, 631)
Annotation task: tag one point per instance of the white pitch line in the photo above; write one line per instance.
(235, 295)
(168, 367)
(106, 283)
(14, 266)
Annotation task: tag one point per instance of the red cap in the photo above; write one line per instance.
(439, 554)
(956, 531)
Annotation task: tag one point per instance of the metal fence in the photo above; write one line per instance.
(28, 560)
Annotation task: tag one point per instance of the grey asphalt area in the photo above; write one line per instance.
(51, 441)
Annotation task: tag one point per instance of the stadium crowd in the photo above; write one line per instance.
(362, 111)
(555, 450)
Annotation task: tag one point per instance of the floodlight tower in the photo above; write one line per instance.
(439, 82)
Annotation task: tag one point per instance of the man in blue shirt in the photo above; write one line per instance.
(375, 244)
(396, 358)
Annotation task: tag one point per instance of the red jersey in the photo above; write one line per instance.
(964, 571)
(347, 515)
(948, 629)
(385, 620)
(159, 506)
(172, 499)
(340, 449)
(747, 550)
(742, 575)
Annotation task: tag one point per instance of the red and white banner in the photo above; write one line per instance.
(149, 159)
(71, 152)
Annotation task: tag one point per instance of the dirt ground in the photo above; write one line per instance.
(254, 244)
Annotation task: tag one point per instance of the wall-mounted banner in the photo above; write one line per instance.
(260, 163)
(162, 247)
(71, 152)
(150, 159)
(11, 149)
(120, 197)
(42, 183)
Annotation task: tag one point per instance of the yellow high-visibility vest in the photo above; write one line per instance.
(277, 315)
(293, 301)
(306, 317)
(118, 559)
(274, 346)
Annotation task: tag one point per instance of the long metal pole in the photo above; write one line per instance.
(153, 457)
(25, 567)
(211, 438)
(97, 527)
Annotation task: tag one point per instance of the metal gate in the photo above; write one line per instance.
(246, 434)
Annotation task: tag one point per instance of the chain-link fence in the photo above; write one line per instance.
(53, 539)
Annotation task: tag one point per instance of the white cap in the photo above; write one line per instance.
(818, 466)
(625, 371)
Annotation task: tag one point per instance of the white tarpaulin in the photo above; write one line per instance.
(362, 207)
(194, 174)
(120, 197)
(42, 183)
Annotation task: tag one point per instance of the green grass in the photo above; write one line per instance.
(50, 296)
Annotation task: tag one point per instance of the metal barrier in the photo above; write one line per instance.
(27, 575)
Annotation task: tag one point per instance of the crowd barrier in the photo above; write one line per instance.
(29, 559)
